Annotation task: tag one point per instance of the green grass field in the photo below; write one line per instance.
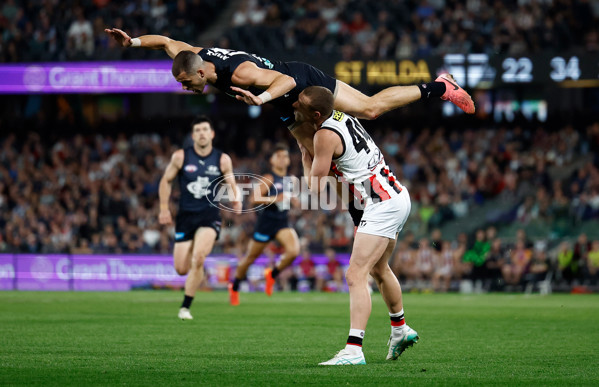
(135, 339)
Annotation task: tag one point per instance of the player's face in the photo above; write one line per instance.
(193, 82)
(202, 134)
(301, 109)
(280, 159)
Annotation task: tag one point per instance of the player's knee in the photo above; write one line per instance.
(354, 277)
(197, 260)
(181, 269)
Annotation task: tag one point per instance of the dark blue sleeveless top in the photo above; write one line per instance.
(226, 61)
(278, 210)
(197, 181)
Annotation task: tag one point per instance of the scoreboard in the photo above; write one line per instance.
(476, 70)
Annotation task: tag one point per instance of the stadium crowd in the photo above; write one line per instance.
(98, 194)
(51, 30)
(407, 29)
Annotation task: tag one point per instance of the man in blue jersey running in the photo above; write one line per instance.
(274, 193)
(198, 168)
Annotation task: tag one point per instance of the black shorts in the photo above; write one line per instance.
(305, 75)
(187, 223)
(267, 228)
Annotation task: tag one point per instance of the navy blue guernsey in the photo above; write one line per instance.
(278, 210)
(226, 62)
(196, 181)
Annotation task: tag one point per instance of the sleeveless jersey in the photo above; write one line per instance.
(278, 210)
(197, 179)
(361, 164)
(226, 62)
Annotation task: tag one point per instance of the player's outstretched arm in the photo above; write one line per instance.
(164, 188)
(153, 42)
(226, 166)
(274, 83)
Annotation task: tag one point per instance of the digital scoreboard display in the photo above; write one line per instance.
(476, 70)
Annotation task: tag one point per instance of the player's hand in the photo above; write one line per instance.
(120, 36)
(165, 217)
(237, 206)
(246, 96)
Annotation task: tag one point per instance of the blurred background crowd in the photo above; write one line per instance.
(53, 30)
(98, 194)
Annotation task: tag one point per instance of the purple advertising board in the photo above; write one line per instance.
(123, 272)
(7, 271)
(43, 272)
(88, 77)
(119, 273)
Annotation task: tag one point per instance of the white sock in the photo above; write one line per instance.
(357, 332)
(352, 348)
(398, 314)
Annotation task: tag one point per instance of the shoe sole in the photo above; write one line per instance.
(461, 97)
(342, 364)
(403, 346)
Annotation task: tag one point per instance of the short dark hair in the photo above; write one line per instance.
(321, 99)
(279, 147)
(201, 119)
(186, 62)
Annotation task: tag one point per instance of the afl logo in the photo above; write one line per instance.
(190, 168)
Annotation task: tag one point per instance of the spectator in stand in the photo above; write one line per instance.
(568, 267)
(331, 279)
(404, 263)
(476, 258)
(592, 264)
(306, 271)
(495, 262)
(425, 262)
(80, 37)
(517, 264)
(581, 250)
(538, 266)
(444, 268)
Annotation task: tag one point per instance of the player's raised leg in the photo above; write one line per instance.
(352, 101)
(402, 336)
(203, 242)
(255, 248)
(366, 252)
(289, 240)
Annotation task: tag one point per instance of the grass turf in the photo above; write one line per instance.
(135, 338)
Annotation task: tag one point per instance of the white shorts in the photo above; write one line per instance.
(388, 217)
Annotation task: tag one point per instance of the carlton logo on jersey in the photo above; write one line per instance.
(212, 170)
(190, 168)
(199, 188)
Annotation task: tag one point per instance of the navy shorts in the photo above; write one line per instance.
(187, 223)
(267, 228)
(305, 75)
